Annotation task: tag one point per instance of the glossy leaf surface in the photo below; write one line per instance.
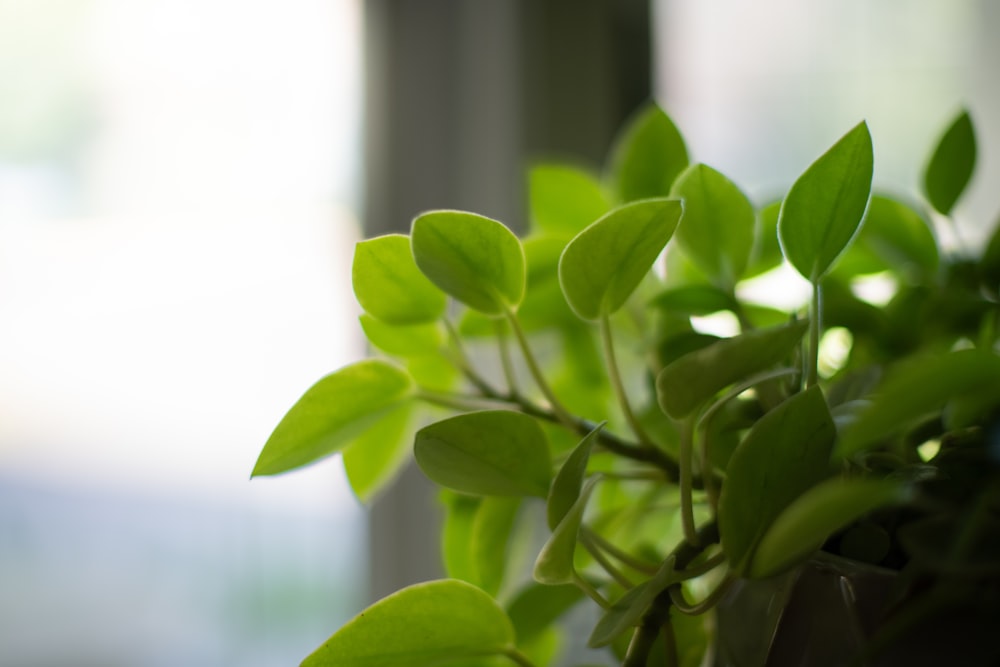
(648, 156)
(825, 206)
(811, 518)
(569, 480)
(951, 164)
(333, 413)
(388, 284)
(692, 379)
(785, 453)
(420, 626)
(473, 258)
(493, 452)
(376, 457)
(602, 266)
(564, 199)
(717, 231)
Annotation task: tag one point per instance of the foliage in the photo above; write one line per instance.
(665, 461)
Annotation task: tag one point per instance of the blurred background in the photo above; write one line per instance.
(181, 184)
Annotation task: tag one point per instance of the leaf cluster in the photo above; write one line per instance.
(568, 382)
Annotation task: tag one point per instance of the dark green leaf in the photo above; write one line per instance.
(989, 264)
(491, 531)
(628, 610)
(825, 206)
(388, 284)
(374, 459)
(950, 167)
(554, 564)
(919, 389)
(811, 518)
(648, 156)
(564, 199)
(569, 480)
(784, 454)
(333, 413)
(473, 258)
(717, 230)
(693, 300)
(492, 453)
(602, 266)
(420, 626)
(900, 237)
(404, 340)
(689, 381)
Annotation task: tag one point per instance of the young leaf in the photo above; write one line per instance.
(717, 231)
(564, 199)
(810, 519)
(689, 381)
(333, 413)
(490, 453)
(473, 258)
(950, 167)
(491, 530)
(648, 156)
(374, 459)
(785, 453)
(422, 625)
(825, 206)
(568, 481)
(604, 263)
(554, 564)
(389, 285)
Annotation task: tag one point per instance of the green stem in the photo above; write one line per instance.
(591, 592)
(684, 462)
(505, 361)
(616, 381)
(682, 605)
(517, 657)
(594, 550)
(622, 556)
(557, 407)
(812, 356)
(460, 402)
(704, 568)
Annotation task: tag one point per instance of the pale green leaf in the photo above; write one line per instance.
(825, 206)
(456, 535)
(603, 264)
(403, 340)
(333, 413)
(493, 453)
(564, 199)
(491, 531)
(717, 230)
(554, 564)
(475, 259)
(388, 284)
(950, 167)
(648, 155)
(423, 625)
(374, 459)
(569, 480)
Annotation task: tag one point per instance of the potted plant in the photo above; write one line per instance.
(594, 438)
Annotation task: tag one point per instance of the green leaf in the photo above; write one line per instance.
(717, 231)
(538, 606)
(491, 453)
(917, 390)
(693, 300)
(568, 481)
(473, 258)
(627, 611)
(950, 166)
(825, 206)
(373, 460)
(647, 156)
(389, 285)
(900, 237)
(689, 381)
(403, 340)
(564, 199)
(785, 453)
(420, 626)
(456, 535)
(603, 264)
(333, 413)
(766, 253)
(554, 564)
(810, 519)
(491, 530)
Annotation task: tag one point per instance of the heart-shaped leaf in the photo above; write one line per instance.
(811, 518)
(420, 626)
(490, 453)
(950, 167)
(554, 564)
(374, 459)
(389, 285)
(689, 381)
(564, 199)
(647, 156)
(475, 259)
(825, 206)
(717, 231)
(603, 264)
(785, 453)
(333, 413)
(569, 480)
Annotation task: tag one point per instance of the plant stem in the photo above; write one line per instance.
(624, 557)
(812, 356)
(517, 657)
(616, 381)
(591, 592)
(682, 605)
(594, 550)
(460, 402)
(684, 455)
(505, 361)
